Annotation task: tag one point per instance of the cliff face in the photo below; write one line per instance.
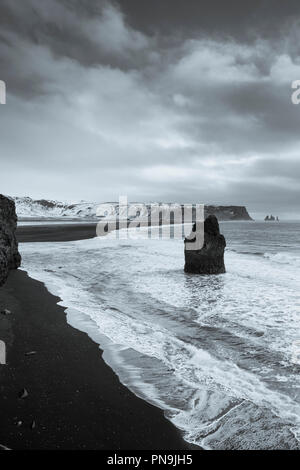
(30, 208)
(228, 212)
(9, 254)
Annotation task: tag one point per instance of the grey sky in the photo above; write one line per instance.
(183, 101)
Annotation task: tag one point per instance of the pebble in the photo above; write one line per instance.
(5, 312)
(23, 393)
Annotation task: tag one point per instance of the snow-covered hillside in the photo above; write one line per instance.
(28, 208)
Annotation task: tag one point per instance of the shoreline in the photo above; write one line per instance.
(75, 400)
(72, 231)
(55, 232)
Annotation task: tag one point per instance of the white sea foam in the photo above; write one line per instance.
(215, 352)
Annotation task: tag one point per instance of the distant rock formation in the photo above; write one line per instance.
(210, 259)
(271, 218)
(9, 254)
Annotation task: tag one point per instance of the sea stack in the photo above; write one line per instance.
(210, 258)
(9, 254)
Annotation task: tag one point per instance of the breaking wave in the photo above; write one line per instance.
(216, 353)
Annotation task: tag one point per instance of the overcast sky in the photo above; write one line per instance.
(173, 100)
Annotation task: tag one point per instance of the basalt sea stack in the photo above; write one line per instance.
(210, 258)
(9, 254)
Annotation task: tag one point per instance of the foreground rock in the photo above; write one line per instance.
(9, 254)
(210, 258)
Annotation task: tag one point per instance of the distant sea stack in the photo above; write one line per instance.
(210, 258)
(9, 254)
(271, 218)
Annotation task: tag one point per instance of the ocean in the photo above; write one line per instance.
(219, 354)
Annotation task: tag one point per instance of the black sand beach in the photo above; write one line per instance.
(55, 232)
(75, 401)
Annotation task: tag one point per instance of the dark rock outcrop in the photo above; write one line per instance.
(9, 254)
(210, 258)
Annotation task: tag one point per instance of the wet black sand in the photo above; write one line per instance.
(75, 401)
(56, 232)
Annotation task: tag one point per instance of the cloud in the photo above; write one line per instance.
(92, 35)
(98, 108)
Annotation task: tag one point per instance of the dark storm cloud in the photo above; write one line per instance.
(90, 32)
(158, 100)
(241, 20)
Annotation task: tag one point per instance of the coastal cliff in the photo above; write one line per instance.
(9, 254)
(28, 208)
(228, 212)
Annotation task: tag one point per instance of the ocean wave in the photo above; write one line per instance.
(284, 258)
(168, 334)
(246, 252)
